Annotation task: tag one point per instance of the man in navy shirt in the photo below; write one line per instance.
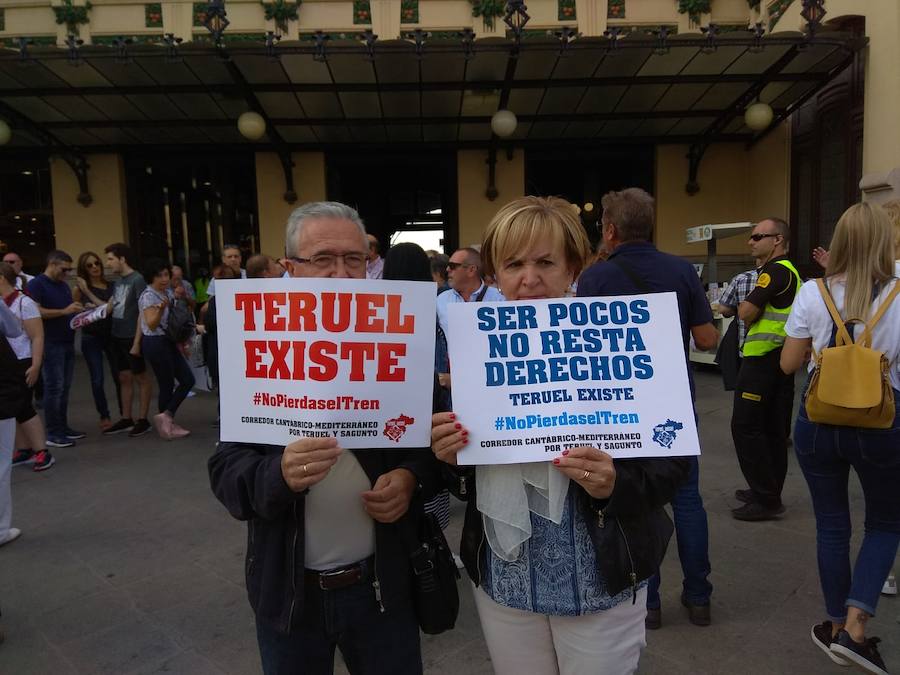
(636, 266)
(54, 296)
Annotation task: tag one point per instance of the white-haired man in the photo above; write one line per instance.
(319, 517)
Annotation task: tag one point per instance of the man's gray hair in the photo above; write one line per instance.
(631, 211)
(313, 210)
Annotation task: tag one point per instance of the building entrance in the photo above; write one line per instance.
(400, 197)
(584, 176)
(185, 210)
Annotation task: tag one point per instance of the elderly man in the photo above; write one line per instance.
(325, 562)
(466, 285)
(181, 288)
(261, 266)
(231, 257)
(15, 260)
(374, 261)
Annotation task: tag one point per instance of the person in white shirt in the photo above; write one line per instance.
(231, 256)
(15, 260)
(31, 439)
(374, 261)
(464, 276)
(860, 279)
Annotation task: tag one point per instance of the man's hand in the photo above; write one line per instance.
(74, 308)
(591, 468)
(389, 497)
(307, 461)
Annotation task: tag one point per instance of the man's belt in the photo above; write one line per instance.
(342, 577)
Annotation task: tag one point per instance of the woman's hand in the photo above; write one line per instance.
(591, 468)
(448, 436)
(820, 255)
(31, 374)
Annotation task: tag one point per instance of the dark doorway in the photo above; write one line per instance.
(26, 211)
(398, 193)
(584, 176)
(827, 156)
(185, 209)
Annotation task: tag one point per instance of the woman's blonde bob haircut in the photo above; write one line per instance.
(523, 223)
(862, 249)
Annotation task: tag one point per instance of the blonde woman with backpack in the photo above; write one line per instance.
(860, 280)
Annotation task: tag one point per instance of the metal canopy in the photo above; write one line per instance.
(640, 88)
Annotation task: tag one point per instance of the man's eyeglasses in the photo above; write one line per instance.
(454, 265)
(325, 261)
(760, 237)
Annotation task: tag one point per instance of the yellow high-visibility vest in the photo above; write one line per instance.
(767, 334)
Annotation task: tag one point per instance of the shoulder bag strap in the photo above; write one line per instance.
(629, 271)
(843, 337)
(480, 296)
(866, 337)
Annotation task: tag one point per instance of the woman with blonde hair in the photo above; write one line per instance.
(860, 279)
(559, 550)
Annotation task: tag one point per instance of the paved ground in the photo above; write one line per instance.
(127, 565)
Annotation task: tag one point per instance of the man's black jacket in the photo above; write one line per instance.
(247, 479)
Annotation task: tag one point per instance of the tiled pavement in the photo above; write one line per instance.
(127, 564)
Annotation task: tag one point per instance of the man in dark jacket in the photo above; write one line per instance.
(636, 266)
(326, 560)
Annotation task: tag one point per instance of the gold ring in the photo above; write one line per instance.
(586, 474)
(304, 469)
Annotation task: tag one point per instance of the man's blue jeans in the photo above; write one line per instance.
(825, 453)
(57, 369)
(371, 642)
(692, 533)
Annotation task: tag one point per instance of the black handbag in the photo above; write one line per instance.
(434, 575)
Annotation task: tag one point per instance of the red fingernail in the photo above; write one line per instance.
(556, 461)
(452, 416)
(458, 425)
(565, 452)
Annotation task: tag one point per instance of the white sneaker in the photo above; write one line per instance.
(11, 535)
(890, 585)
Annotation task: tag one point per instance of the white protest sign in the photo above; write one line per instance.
(343, 358)
(531, 379)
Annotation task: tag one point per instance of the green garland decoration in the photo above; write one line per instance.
(694, 8)
(281, 12)
(72, 16)
(488, 10)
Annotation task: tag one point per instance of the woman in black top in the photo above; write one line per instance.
(93, 289)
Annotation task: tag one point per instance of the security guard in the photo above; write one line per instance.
(764, 395)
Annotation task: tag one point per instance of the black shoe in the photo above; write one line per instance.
(699, 615)
(140, 428)
(863, 655)
(821, 637)
(754, 511)
(123, 424)
(74, 435)
(745, 496)
(654, 619)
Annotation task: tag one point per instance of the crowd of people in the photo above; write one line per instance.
(563, 555)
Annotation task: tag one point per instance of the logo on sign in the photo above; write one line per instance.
(664, 434)
(395, 428)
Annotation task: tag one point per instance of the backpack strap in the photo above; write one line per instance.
(866, 336)
(843, 337)
(630, 272)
